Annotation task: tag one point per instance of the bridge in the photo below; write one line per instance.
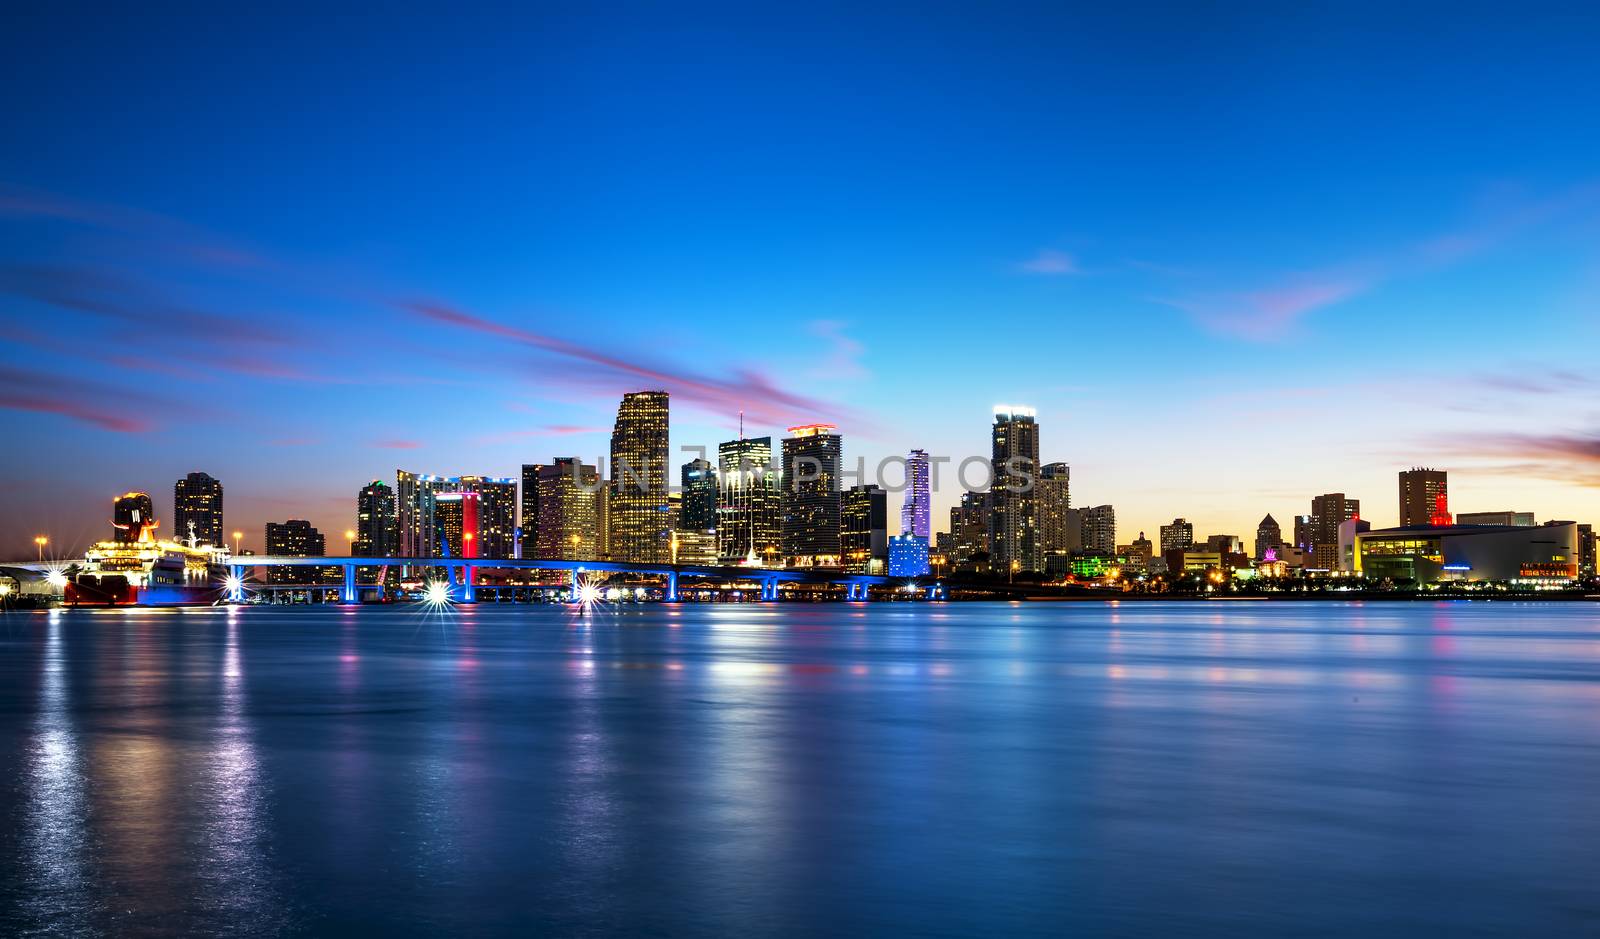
(856, 585)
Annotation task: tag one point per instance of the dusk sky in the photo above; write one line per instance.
(1235, 258)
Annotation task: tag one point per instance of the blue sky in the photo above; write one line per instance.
(1234, 256)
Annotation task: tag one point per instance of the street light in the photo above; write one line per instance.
(349, 542)
(576, 540)
(39, 542)
(1011, 576)
(236, 536)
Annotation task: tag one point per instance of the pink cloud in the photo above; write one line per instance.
(97, 405)
(397, 444)
(843, 361)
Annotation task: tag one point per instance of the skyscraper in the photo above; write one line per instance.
(377, 535)
(1179, 534)
(916, 510)
(1269, 534)
(295, 538)
(414, 506)
(1099, 529)
(1328, 512)
(497, 513)
(131, 514)
(1424, 497)
(864, 529)
(1304, 533)
(810, 495)
(969, 526)
(1014, 464)
(568, 527)
(749, 515)
(197, 502)
(1054, 503)
(458, 516)
(640, 530)
(528, 517)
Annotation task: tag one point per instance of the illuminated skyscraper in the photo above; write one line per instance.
(1179, 534)
(1304, 533)
(1328, 512)
(569, 511)
(915, 511)
(637, 514)
(1268, 535)
(1013, 539)
(969, 528)
(497, 513)
(749, 514)
(414, 510)
(864, 529)
(377, 535)
(131, 514)
(1054, 501)
(699, 509)
(528, 517)
(908, 556)
(457, 516)
(1424, 497)
(197, 501)
(296, 538)
(810, 496)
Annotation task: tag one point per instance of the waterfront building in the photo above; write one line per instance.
(377, 531)
(457, 514)
(1268, 536)
(497, 513)
(1014, 465)
(1328, 512)
(1348, 532)
(637, 513)
(568, 526)
(1137, 555)
(864, 529)
(297, 538)
(810, 496)
(1587, 545)
(1099, 529)
(698, 511)
(1424, 497)
(1502, 519)
(197, 510)
(131, 514)
(1545, 555)
(916, 510)
(969, 528)
(528, 511)
(414, 510)
(1304, 533)
(1178, 534)
(1060, 529)
(1225, 544)
(749, 512)
(908, 556)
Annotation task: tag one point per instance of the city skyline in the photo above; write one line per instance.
(1201, 313)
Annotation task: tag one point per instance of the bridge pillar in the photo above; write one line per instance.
(933, 591)
(349, 595)
(575, 586)
(672, 588)
(236, 595)
(769, 589)
(469, 591)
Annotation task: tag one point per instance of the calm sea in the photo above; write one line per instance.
(893, 769)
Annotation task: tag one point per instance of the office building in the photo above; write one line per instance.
(1349, 530)
(377, 530)
(698, 511)
(458, 515)
(864, 529)
(1268, 536)
(568, 525)
(1304, 534)
(749, 513)
(916, 510)
(908, 556)
(1014, 465)
(637, 513)
(297, 538)
(1424, 497)
(969, 528)
(1328, 512)
(810, 496)
(528, 511)
(497, 513)
(197, 510)
(1137, 555)
(1178, 534)
(1587, 545)
(1099, 529)
(132, 513)
(1502, 519)
(1225, 544)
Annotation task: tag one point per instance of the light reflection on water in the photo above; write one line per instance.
(705, 770)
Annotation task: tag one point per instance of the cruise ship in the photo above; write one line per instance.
(145, 571)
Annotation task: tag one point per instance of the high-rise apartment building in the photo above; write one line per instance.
(1014, 464)
(969, 527)
(1057, 521)
(1304, 533)
(864, 529)
(749, 513)
(699, 509)
(1424, 497)
(377, 532)
(197, 510)
(497, 513)
(568, 524)
(528, 514)
(1269, 534)
(640, 530)
(296, 538)
(414, 508)
(458, 516)
(1099, 529)
(810, 496)
(917, 509)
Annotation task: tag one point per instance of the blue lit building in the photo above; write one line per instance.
(908, 556)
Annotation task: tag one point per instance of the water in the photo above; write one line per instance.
(907, 769)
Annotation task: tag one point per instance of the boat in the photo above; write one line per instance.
(147, 571)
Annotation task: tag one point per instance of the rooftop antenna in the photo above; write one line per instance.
(741, 423)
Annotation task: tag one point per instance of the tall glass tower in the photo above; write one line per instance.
(749, 515)
(915, 511)
(197, 501)
(1013, 519)
(639, 519)
(811, 495)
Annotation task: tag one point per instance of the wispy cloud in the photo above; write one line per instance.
(1272, 311)
(1050, 262)
(548, 430)
(394, 444)
(90, 403)
(843, 361)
